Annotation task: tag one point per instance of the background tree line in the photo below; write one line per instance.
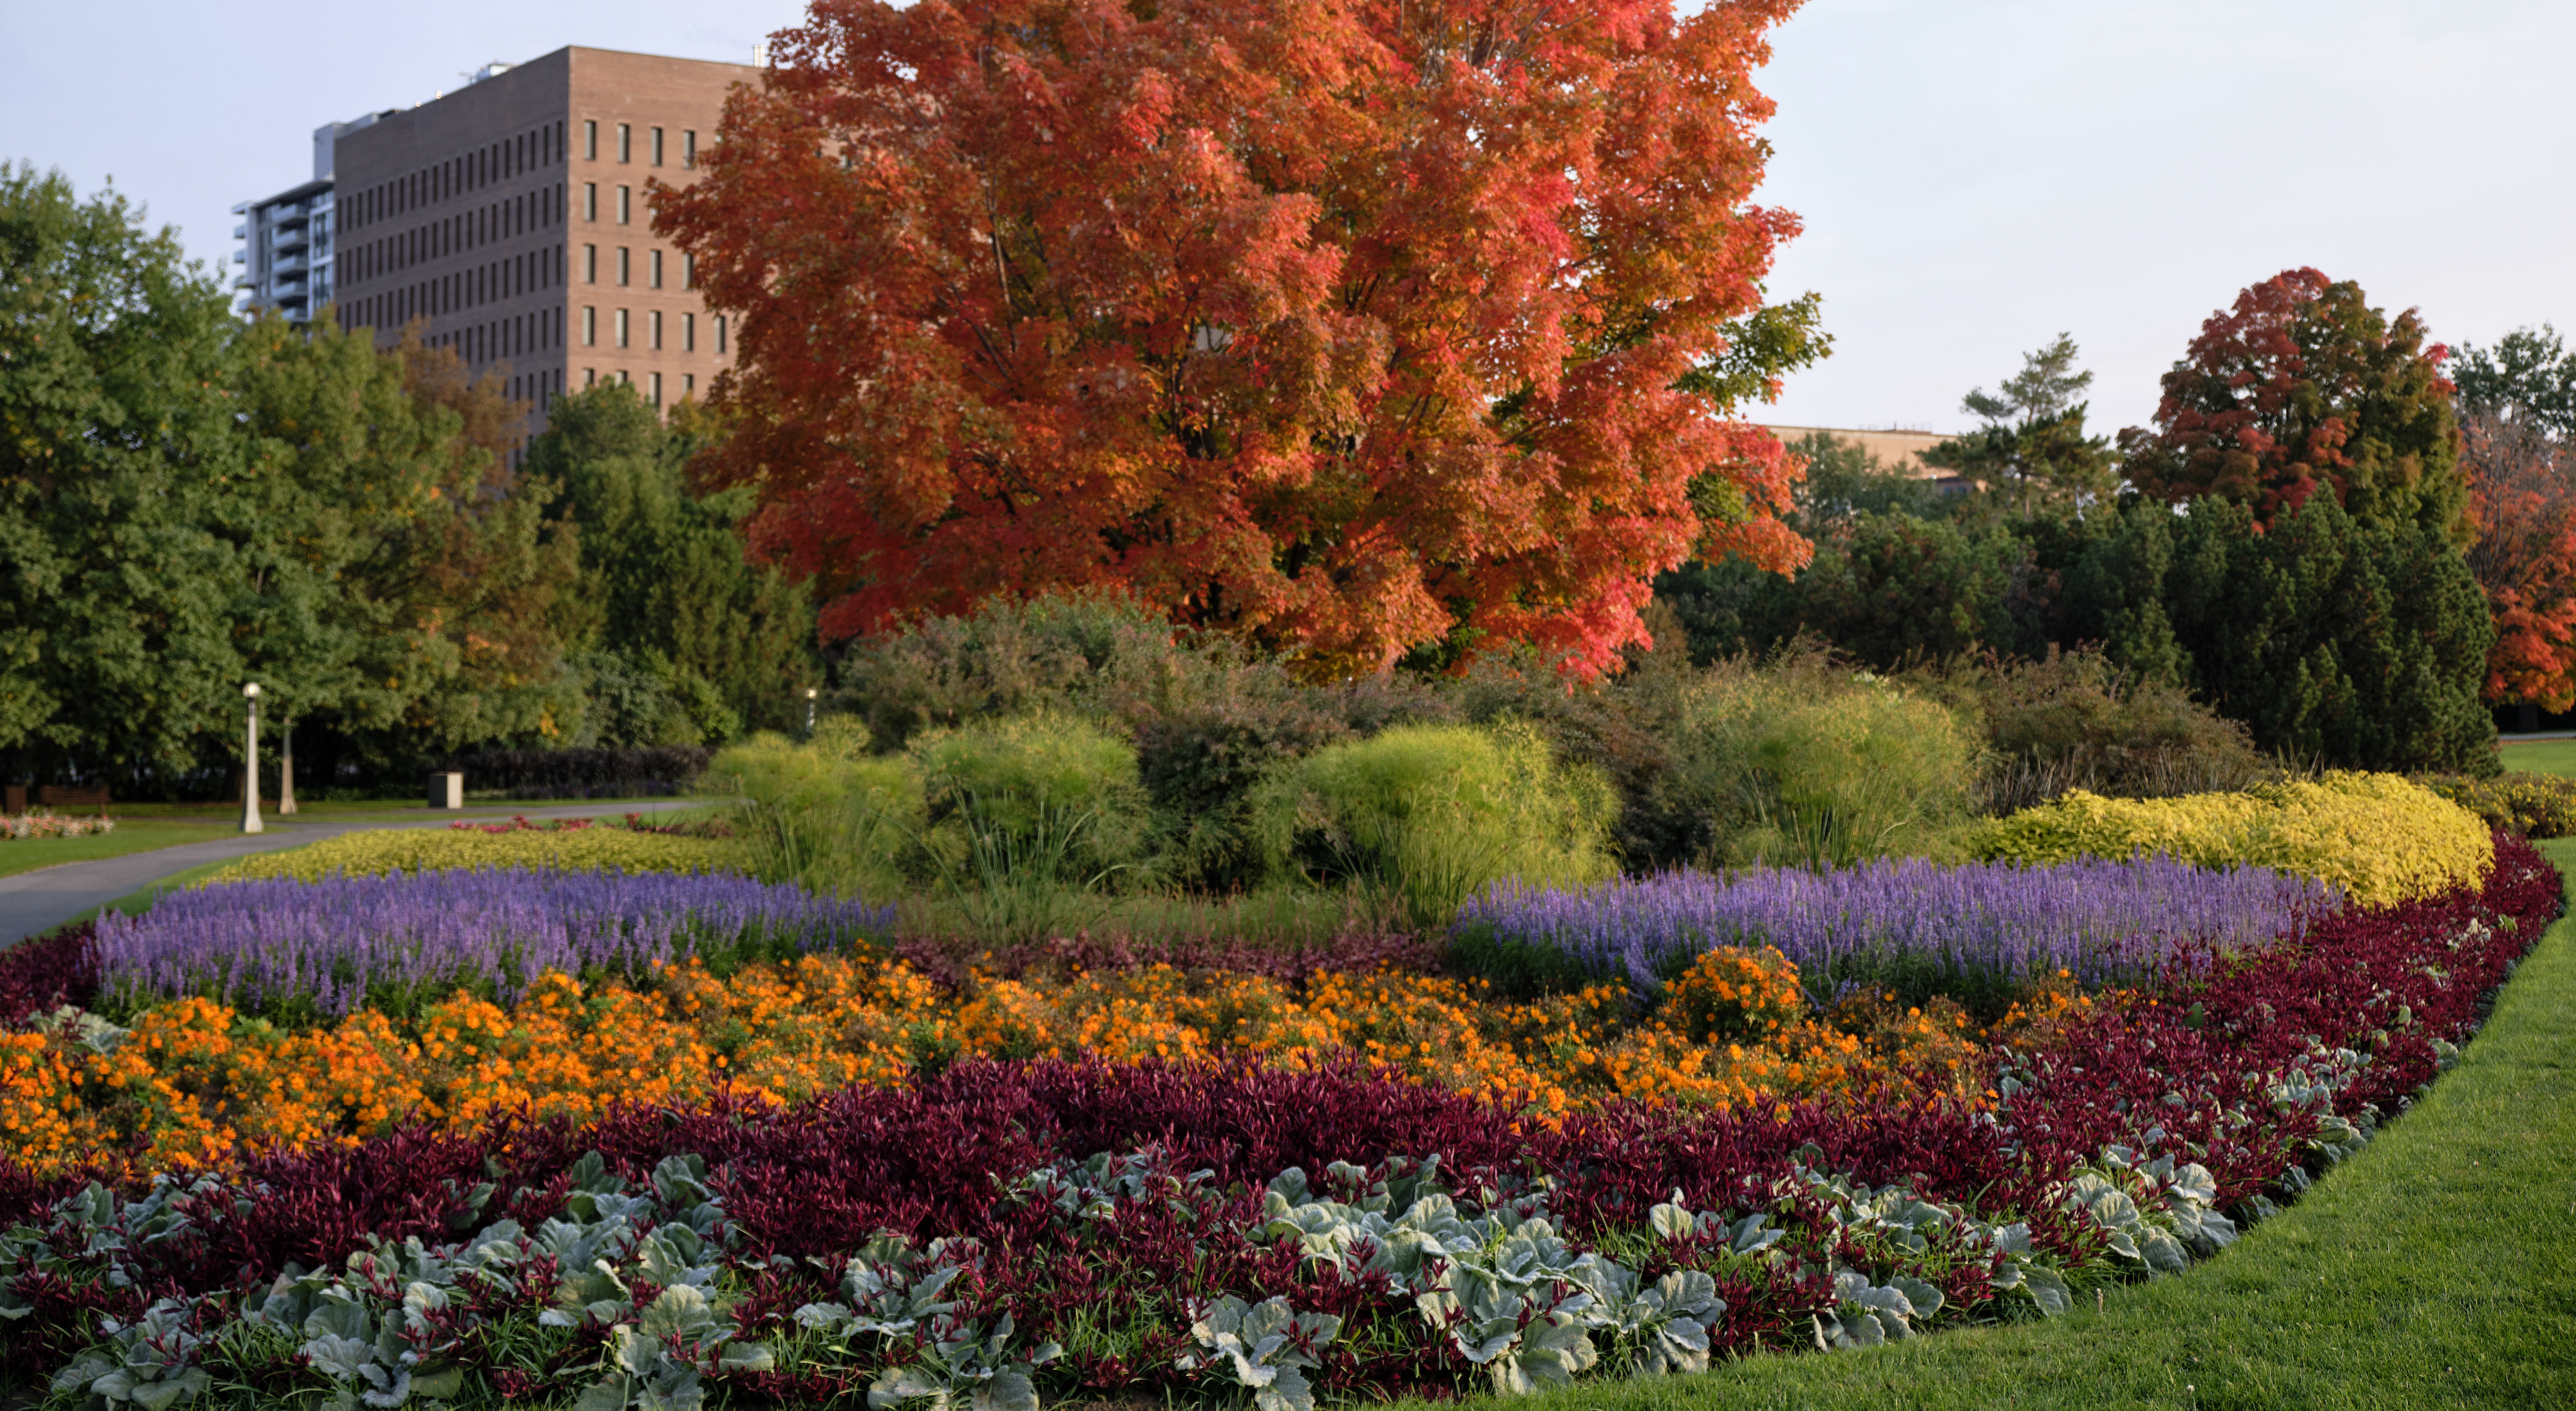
(2343, 535)
(189, 502)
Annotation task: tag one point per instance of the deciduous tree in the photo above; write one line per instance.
(2303, 386)
(117, 438)
(2522, 500)
(1355, 328)
(2527, 377)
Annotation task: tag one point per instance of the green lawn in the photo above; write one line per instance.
(2542, 757)
(131, 835)
(2437, 1269)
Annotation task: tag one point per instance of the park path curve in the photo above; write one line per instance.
(32, 903)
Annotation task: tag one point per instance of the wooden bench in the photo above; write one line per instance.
(70, 796)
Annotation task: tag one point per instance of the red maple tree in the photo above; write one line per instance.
(2302, 386)
(2522, 501)
(1349, 325)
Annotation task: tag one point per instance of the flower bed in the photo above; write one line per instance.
(379, 851)
(1058, 1227)
(1983, 930)
(285, 947)
(198, 1081)
(44, 823)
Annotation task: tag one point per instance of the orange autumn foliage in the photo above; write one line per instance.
(1350, 327)
(193, 1083)
(2523, 506)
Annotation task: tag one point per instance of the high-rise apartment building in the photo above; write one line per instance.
(286, 254)
(510, 219)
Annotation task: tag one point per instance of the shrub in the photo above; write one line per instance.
(2382, 839)
(2075, 721)
(1061, 653)
(377, 852)
(638, 771)
(1425, 816)
(824, 814)
(2534, 805)
(1805, 764)
(1200, 764)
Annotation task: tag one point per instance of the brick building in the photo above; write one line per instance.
(509, 218)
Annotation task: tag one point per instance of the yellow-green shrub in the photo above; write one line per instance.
(377, 852)
(2534, 805)
(2380, 838)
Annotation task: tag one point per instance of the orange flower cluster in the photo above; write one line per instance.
(193, 1082)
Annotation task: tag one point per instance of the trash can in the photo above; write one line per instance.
(447, 791)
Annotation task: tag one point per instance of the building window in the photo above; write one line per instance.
(688, 333)
(590, 377)
(657, 269)
(590, 200)
(688, 385)
(625, 265)
(689, 148)
(654, 380)
(657, 146)
(589, 326)
(720, 335)
(622, 340)
(624, 379)
(625, 143)
(590, 141)
(590, 264)
(657, 332)
(625, 204)
(688, 271)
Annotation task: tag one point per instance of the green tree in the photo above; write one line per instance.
(2528, 377)
(343, 464)
(117, 438)
(499, 577)
(671, 591)
(2033, 447)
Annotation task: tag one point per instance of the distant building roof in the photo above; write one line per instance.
(1893, 446)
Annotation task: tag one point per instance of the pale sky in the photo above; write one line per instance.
(1975, 175)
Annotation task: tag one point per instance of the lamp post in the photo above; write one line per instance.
(250, 761)
(810, 694)
(286, 769)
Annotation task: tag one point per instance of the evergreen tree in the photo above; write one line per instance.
(2333, 639)
(2033, 449)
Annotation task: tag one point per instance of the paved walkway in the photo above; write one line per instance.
(38, 901)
